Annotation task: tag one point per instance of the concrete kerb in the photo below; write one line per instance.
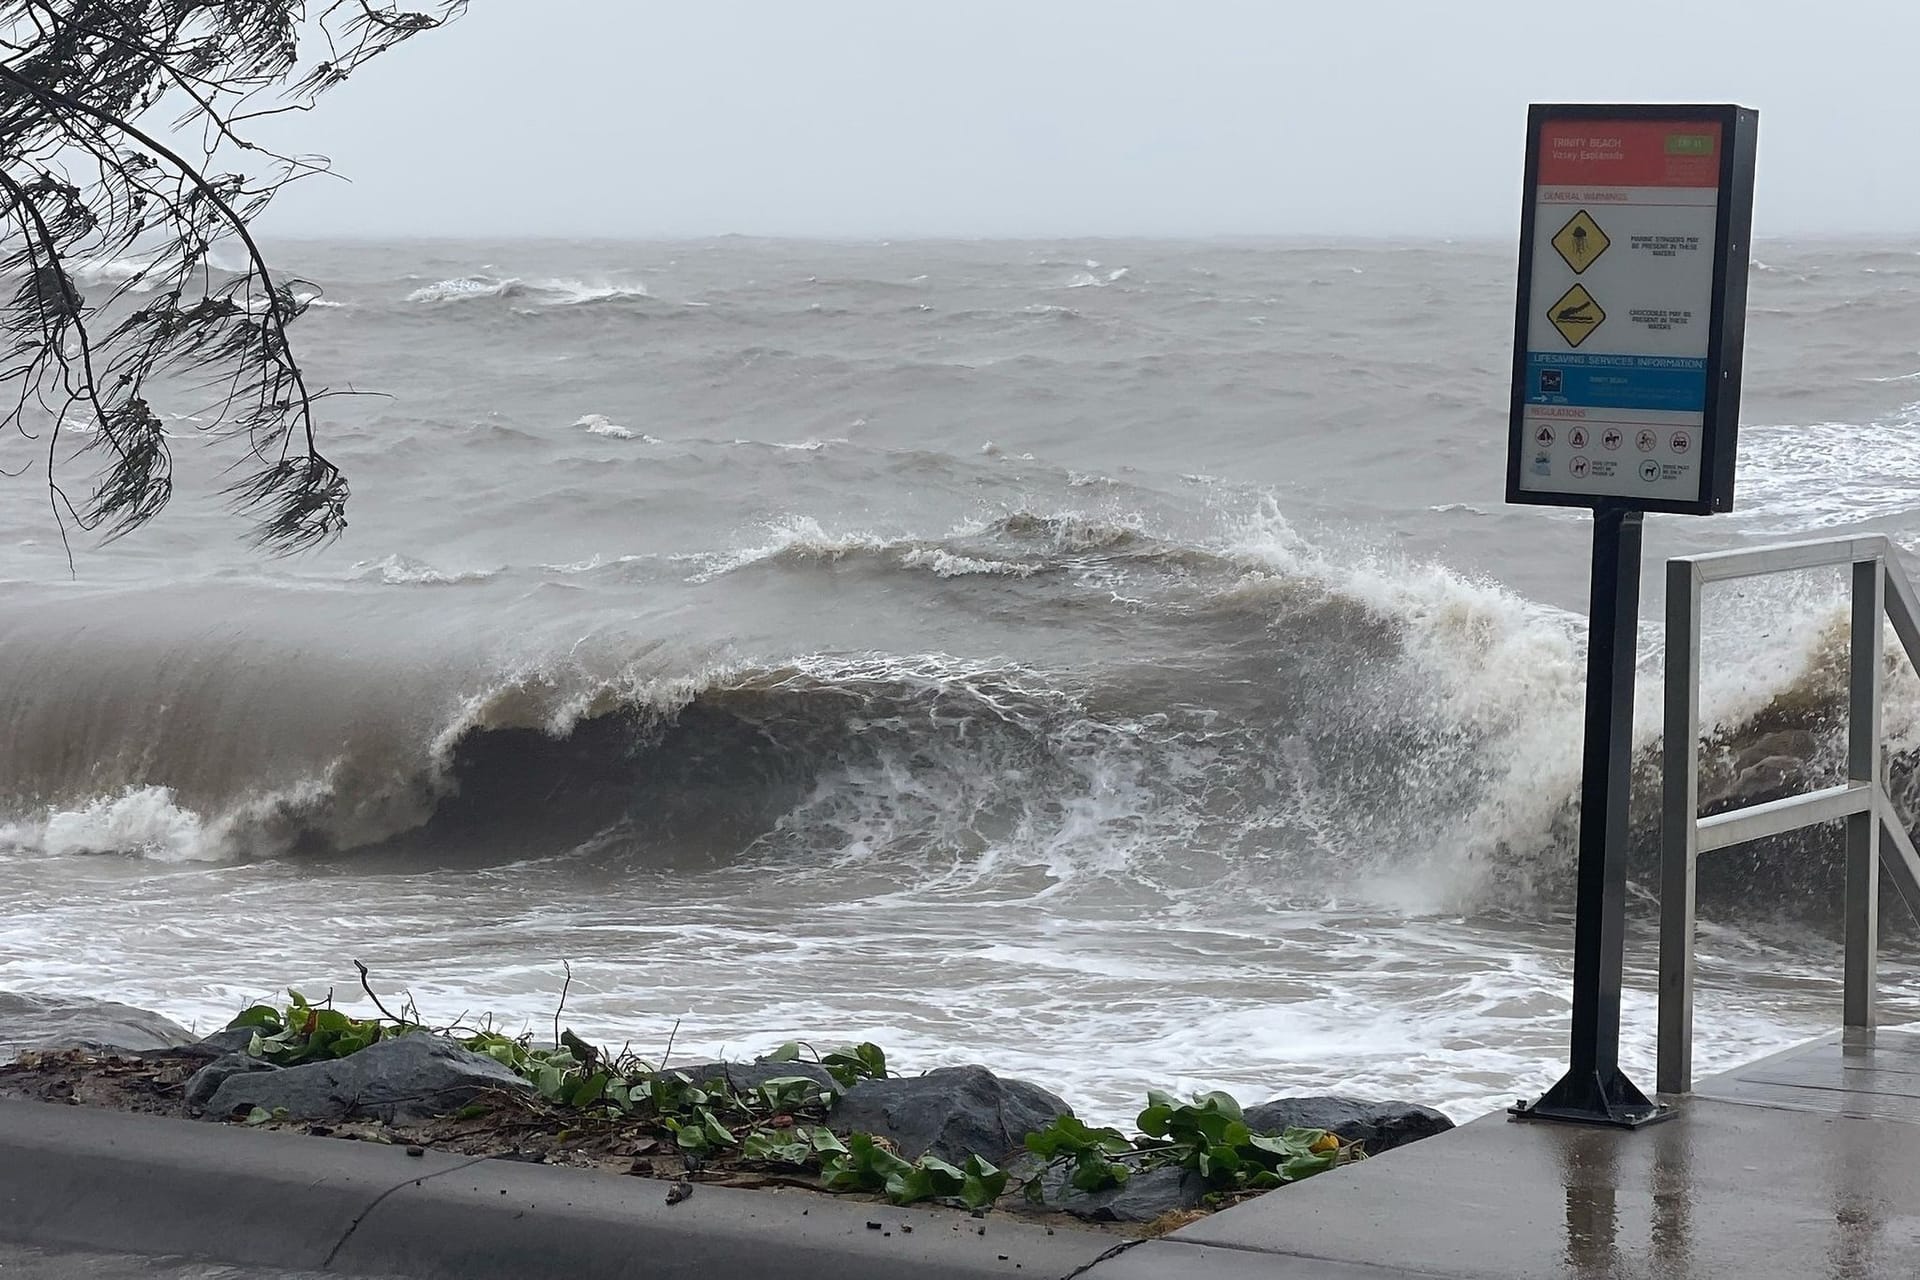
(93, 1179)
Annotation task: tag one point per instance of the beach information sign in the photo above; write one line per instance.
(1632, 306)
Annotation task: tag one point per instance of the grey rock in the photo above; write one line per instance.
(1142, 1198)
(741, 1076)
(204, 1083)
(411, 1078)
(1382, 1126)
(49, 1023)
(220, 1043)
(953, 1113)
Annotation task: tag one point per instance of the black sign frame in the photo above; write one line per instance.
(1727, 324)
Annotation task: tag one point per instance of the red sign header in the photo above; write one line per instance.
(1630, 153)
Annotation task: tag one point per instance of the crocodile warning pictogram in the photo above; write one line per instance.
(1576, 315)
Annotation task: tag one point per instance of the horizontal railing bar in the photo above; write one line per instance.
(1718, 566)
(1776, 817)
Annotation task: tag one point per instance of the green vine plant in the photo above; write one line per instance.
(780, 1124)
(848, 1066)
(1208, 1136)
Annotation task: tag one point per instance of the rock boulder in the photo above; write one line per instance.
(54, 1023)
(411, 1078)
(953, 1112)
(1382, 1126)
(1142, 1198)
(204, 1083)
(220, 1043)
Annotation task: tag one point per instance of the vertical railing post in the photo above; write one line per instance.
(1862, 910)
(1679, 829)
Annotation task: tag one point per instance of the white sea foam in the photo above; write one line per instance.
(397, 570)
(144, 821)
(1827, 475)
(796, 536)
(946, 564)
(547, 292)
(1485, 662)
(461, 289)
(598, 424)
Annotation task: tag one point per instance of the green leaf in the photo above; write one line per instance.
(911, 1186)
(1068, 1136)
(716, 1131)
(789, 1093)
(258, 1116)
(858, 1062)
(471, 1111)
(1092, 1171)
(549, 1080)
(691, 1137)
(580, 1049)
(263, 1016)
(885, 1163)
(1282, 1145)
(945, 1176)
(981, 1183)
(1308, 1165)
(590, 1090)
(331, 1020)
(775, 1147)
(1221, 1102)
(838, 1174)
(788, 1052)
(825, 1142)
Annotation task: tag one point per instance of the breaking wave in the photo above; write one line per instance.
(545, 292)
(1308, 720)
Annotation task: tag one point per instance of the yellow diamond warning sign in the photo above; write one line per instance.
(1576, 315)
(1581, 242)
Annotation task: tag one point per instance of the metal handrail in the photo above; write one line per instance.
(1880, 590)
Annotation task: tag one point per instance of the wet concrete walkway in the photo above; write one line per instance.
(1805, 1164)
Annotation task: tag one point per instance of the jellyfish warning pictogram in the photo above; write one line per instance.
(1576, 315)
(1581, 241)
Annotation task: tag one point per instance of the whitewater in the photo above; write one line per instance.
(1107, 660)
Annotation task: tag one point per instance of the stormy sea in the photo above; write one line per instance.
(1111, 661)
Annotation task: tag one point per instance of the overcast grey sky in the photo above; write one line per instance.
(1081, 117)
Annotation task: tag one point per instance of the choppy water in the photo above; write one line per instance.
(1111, 661)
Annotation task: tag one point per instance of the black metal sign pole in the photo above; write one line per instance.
(1628, 327)
(1594, 1090)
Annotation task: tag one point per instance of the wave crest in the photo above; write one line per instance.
(543, 292)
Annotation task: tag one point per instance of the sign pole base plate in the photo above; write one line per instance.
(1608, 1099)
